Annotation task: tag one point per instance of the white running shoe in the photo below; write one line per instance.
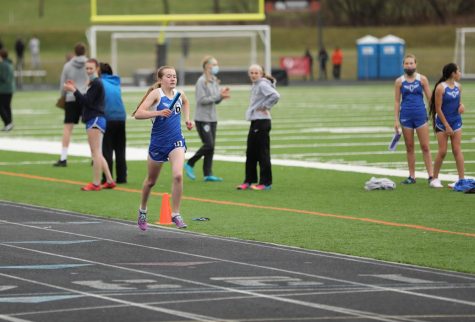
(435, 183)
(452, 185)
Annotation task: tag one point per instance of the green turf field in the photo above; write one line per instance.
(310, 208)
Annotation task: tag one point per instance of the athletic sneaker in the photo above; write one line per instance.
(452, 185)
(91, 187)
(107, 185)
(213, 179)
(409, 180)
(61, 163)
(142, 219)
(179, 222)
(243, 186)
(260, 187)
(435, 183)
(8, 127)
(189, 171)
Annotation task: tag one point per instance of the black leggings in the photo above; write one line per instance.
(114, 143)
(207, 133)
(258, 151)
(6, 108)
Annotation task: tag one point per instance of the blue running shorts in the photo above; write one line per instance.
(160, 153)
(99, 122)
(455, 124)
(413, 118)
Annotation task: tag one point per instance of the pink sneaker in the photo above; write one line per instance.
(243, 186)
(179, 222)
(142, 219)
(260, 187)
(109, 185)
(91, 187)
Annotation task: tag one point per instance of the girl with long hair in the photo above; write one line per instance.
(167, 142)
(263, 97)
(208, 94)
(445, 112)
(92, 104)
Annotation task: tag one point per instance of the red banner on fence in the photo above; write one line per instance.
(296, 66)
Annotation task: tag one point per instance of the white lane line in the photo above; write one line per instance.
(140, 154)
(11, 318)
(357, 313)
(286, 248)
(352, 312)
(372, 286)
(191, 316)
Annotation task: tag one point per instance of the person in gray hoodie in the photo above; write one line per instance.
(74, 70)
(263, 97)
(208, 94)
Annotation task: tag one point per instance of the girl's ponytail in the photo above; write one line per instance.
(446, 74)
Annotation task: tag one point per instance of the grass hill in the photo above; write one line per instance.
(63, 23)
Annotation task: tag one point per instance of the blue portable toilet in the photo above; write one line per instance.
(368, 57)
(391, 54)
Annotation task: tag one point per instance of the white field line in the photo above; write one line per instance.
(140, 154)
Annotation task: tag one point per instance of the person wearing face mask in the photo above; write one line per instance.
(410, 115)
(92, 104)
(208, 94)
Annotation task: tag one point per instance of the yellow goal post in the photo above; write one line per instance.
(258, 15)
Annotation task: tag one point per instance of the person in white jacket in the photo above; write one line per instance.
(263, 97)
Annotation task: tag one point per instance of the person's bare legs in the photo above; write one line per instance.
(424, 138)
(456, 140)
(441, 152)
(94, 137)
(67, 133)
(177, 158)
(153, 172)
(410, 155)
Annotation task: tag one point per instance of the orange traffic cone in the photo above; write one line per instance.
(165, 211)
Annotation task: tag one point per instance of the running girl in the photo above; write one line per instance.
(166, 142)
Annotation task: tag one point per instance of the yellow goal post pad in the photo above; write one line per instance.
(135, 17)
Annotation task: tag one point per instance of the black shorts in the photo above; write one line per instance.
(72, 112)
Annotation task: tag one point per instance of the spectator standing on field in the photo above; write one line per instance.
(208, 94)
(322, 59)
(92, 104)
(263, 97)
(114, 139)
(20, 53)
(7, 88)
(34, 46)
(337, 60)
(75, 70)
(310, 63)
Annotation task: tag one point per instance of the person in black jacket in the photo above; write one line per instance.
(92, 104)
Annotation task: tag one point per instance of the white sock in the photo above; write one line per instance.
(142, 210)
(174, 214)
(64, 154)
